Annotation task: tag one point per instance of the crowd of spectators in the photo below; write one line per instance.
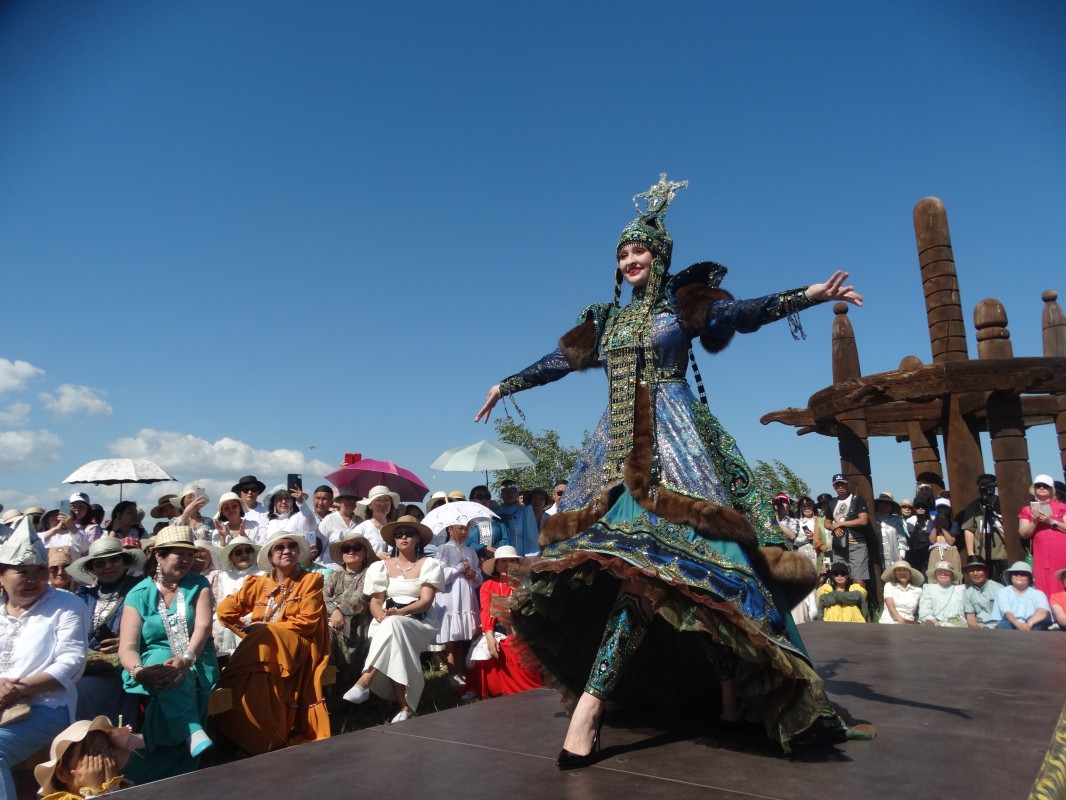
(938, 568)
(255, 596)
(266, 593)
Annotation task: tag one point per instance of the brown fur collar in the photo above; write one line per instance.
(693, 304)
(580, 346)
(792, 571)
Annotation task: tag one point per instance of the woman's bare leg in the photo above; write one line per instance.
(399, 691)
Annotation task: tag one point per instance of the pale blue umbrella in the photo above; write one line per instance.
(483, 456)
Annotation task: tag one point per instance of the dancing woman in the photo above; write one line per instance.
(662, 537)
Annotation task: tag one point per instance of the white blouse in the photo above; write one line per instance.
(50, 637)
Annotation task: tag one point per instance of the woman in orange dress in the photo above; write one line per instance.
(276, 671)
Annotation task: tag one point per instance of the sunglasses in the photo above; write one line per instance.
(250, 490)
(408, 534)
(559, 494)
(278, 548)
(352, 548)
(243, 551)
(104, 561)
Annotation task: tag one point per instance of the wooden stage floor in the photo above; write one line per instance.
(959, 714)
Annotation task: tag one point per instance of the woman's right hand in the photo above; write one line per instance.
(491, 643)
(491, 399)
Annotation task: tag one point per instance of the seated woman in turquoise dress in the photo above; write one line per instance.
(167, 654)
(663, 578)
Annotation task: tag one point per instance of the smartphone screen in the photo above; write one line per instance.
(198, 492)
(64, 507)
(296, 481)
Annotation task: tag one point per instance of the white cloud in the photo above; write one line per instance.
(187, 456)
(71, 399)
(15, 415)
(28, 450)
(16, 374)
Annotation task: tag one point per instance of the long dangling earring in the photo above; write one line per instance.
(617, 287)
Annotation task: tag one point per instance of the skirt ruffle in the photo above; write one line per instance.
(705, 596)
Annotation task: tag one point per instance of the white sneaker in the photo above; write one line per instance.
(403, 715)
(199, 742)
(357, 694)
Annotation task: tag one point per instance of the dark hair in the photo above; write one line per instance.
(415, 511)
(323, 488)
(96, 513)
(476, 488)
(541, 492)
(274, 499)
(118, 510)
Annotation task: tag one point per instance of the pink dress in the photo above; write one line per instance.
(1049, 548)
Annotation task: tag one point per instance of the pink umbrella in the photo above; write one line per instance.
(360, 475)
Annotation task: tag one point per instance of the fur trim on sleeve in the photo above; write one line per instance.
(693, 305)
(580, 346)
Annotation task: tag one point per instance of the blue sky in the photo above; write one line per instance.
(252, 236)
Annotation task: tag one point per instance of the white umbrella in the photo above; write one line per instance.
(461, 512)
(483, 456)
(109, 471)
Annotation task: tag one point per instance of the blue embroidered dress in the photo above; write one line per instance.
(707, 595)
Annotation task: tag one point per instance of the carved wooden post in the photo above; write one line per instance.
(1006, 426)
(852, 437)
(925, 452)
(947, 337)
(1054, 325)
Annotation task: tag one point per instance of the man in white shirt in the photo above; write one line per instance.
(557, 495)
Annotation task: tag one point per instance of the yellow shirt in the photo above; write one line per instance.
(841, 612)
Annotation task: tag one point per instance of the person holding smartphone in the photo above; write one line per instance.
(1044, 522)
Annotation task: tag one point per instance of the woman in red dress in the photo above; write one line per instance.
(493, 666)
(1044, 521)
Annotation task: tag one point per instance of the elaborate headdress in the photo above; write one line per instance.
(649, 227)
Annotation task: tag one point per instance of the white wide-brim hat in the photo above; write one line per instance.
(263, 556)
(375, 493)
(223, 553)
(889, 575)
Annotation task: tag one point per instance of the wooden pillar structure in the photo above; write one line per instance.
(1006, 425)
(1054, 334)
(925, 450)
(853, 439)
(947, 336)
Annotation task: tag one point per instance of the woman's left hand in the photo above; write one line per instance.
(834, 289)
(336, 619)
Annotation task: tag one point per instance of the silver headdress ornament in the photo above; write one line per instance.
(649, 227)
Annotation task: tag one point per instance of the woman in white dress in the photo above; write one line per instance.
(236, 561)
(903, 592)
(457, 605)
(401, 591)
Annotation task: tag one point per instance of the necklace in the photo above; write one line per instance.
(11, 635)
(274, 605)
(403, 571)
(106, 604)
(176, 624)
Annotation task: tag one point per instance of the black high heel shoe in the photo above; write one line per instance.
(568, 760)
